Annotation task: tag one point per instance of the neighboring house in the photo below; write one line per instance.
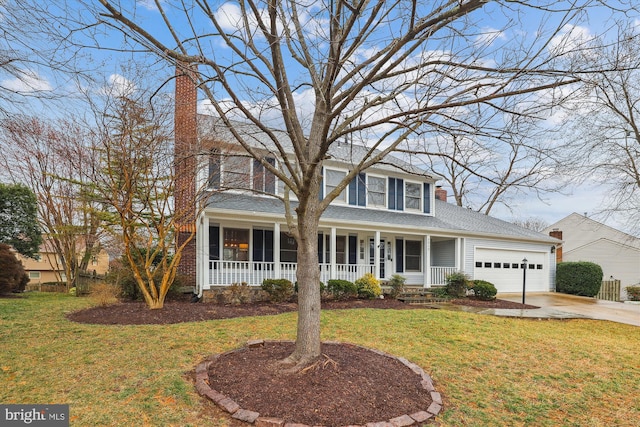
(392, 219)
(584, 239)
(48, 268)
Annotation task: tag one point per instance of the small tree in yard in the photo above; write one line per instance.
(135, 181)
(19, 219)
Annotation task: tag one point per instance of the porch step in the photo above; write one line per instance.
(418, 296)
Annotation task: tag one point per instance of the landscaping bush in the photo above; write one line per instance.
(104, 294)
(397, 285)
(237, 293)
(12, 275)
(483, 290)
(342, 289)
(457, 285)
(633, 292)
(121, 275)
(368, 286)
(279, 290)
(579, 278)
(439, 292)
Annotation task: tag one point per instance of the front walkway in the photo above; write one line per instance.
(562, 306)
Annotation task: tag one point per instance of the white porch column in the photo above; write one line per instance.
(276, 250)
(427, 262)
(459, 263)
(332, 254)
(376, 254)
(202, 254)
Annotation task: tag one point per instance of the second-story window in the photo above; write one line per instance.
(376, 194)
(236, 172)
(396, 194)
(333, 179)
(213, 173)
(263, 180)
(358, 190)
(412, 197)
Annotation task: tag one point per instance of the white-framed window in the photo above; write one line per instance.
(332, 179)
(236, 172)
(408, 256)
(376, 191)
(263, 180)
(412, 195)
(34, 275)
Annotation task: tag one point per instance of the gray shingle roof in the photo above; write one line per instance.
(448, 218)
(349, 153)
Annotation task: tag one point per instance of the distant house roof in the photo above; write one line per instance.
(448, 217)
(342, 151)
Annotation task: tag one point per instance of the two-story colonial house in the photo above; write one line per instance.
(391, 219)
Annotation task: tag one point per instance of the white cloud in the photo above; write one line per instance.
(570, 39)
(120, 86)
(27, 82)
(489, 36)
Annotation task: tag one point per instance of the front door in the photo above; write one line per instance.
(382, 269)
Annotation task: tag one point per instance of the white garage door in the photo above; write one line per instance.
(503, 268)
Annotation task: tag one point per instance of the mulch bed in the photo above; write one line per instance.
(137, 313)
(349, 386)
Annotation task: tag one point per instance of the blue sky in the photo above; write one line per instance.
(110, 70)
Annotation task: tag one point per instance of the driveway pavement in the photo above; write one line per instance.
(556, 305)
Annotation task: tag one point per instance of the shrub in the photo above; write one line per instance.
(397, 285)
(342, 289)
(633, 292)
(12, 275)
(457, 284)
(104, 294)
(579, 278)
(439, 292)
(121, 275)
(483, 290)
(279, 290)
(237, 293)
(368, 286)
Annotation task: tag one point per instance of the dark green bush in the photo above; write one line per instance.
(457, 284)
(342, 289)
(12, 275)
(397, 285)
(483, 290)
(439, 292)
(279, 290)
(579, 278)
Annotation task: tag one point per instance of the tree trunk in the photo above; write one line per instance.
(307, 348)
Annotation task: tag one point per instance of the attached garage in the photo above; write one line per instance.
(504, 268)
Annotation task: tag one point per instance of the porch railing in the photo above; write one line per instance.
(222, 273)
(439, 274)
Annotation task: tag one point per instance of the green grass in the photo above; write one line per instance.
(491, 371)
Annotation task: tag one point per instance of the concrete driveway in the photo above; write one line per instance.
(582, 306)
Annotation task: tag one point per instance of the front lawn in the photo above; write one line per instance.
(491, 371)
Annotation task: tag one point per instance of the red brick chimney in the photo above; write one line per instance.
(558, 235)
(186, 139)
(441, 193)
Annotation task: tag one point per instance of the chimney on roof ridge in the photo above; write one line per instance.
(441, 193)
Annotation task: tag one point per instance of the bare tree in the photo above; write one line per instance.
(375, 71)
(49, 157)
(603, 121)
(134, 179)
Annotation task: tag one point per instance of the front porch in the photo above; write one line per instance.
(224, 273)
